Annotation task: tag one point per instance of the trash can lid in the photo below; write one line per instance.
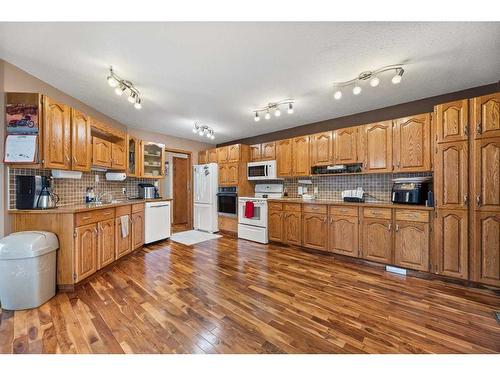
(28, 244)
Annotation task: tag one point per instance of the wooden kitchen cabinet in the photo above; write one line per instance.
(411, 245)
(345, 145)
(101, 152)
(222, 154)
(485, 116)
(268, 151)
(234, 153)
(133, 159)
(322, 148)
(123, 245)
(377, 240)
(292, 227)
(300, 156)
(118, 157)
(81, 142)
(211, 156)
(56, 135)
(412, 143)
(315, 231)
(377, 144)
(451, 175)
(284, 157)
(486, 254)
(343, 235)
(202, 157)
(137, 230)
(223, 174)
(452, 243)
(232, 173)
(486, 174)
(105, 243)
(451, 121)
(255, 152)
(85, 251)
(152, 160)
(275, 223)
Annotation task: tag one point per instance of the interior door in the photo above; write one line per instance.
(180, 190)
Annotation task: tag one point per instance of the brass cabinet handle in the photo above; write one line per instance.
(466, 198)
(479, 129)
(390, 226)
(324, 220)
(466, 130)
(75, 160)
(478, 200)
(397, 227)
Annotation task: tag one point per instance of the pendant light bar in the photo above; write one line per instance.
(122, 85)
(274, 108)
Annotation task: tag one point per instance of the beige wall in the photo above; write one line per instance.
(14, 79)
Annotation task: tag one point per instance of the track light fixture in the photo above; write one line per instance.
(373, 78)
(122, 85)
(203, 130)
(275, 108)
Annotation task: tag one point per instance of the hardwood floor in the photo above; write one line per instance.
(230, 296)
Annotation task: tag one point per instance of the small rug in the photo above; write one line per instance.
(191, 237)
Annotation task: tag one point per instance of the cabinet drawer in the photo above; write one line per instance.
(343, 211)
(123, 210)
(138, 207)
(378, 213)
(413, 215)
(291, 207)
(315, 208)
(275, 206)
(89, 217)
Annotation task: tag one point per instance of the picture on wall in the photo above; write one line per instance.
(22, 118)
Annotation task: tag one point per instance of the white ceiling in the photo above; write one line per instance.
(218, 72)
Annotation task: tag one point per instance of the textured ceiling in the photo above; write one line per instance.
(218, 72)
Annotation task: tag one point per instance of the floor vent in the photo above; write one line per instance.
(497, 315)
(400, 271)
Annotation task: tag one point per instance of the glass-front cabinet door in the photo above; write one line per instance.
(153, 160)
(133, 169)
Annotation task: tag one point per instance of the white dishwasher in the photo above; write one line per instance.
(156, 221)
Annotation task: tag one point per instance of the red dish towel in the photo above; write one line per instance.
(249, 209)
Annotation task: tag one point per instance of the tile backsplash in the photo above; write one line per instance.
(73, 191)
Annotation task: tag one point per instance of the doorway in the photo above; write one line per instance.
(180, 170)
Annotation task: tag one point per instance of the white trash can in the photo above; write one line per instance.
(27, 269)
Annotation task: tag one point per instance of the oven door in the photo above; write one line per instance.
(259, 218)
(227, 203)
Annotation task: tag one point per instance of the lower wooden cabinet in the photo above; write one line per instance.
(137, 230)
(315, 231)
(85, 251)
(377, 240)
(275, 225)
(105, 243)
(486, 252)
(292, 228)
(411, 245)
(123, 244)
(343, 235)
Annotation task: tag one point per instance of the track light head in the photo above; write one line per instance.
(256, 117)
(356, 90)
(137, 103)
(398, 76)
(374, 82)
(290, 108)
(337, 95)
(112, 81)
(267, 116)
(132, 97)
(120, 89)
(277, 112)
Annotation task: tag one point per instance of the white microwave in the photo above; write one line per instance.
(262, 170)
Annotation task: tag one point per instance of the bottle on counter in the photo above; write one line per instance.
(89, 195)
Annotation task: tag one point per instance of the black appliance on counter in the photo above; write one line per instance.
(227, 200)
(411, 190)
(148, 191)
(28, 190)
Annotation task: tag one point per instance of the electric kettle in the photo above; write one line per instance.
(47, 199)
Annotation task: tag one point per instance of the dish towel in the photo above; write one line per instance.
(249, 206)
(124, 225)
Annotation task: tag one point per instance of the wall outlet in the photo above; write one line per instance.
(124, 191)
(96, 178)
(315, 190)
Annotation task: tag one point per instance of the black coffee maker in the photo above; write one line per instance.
(28, 190)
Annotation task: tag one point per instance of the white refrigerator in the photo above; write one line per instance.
(206, 183)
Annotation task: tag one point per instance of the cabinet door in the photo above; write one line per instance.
(268, 151)
(377, 142)
(81, 142)
(300, 156)
(118, 156)
(486, 232)
(451, 175)
(137, 229)
(56, 135)
(223, 174)
(486, 116)
(412, 144)
(222, 154)
(292, 228)
(343, 235)
(345, 145)
(232, 173)
(452, 243)
(486, 164)
(85, 251)
(411, 245)
(255, 152)
(315, 231)
(105, 242)
(133, 152)
(123, 244)
(284, 157)
(212, 155)
(101, 152)
(452, 121)
(202, 157)
(322, 148)
(377, 240)
(276, 226)
(233, 153)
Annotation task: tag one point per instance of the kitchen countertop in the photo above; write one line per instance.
(342, 203)
(74, 208)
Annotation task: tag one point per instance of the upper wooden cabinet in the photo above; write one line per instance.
(321, 148)
(451, 171)
(255, 152)
(118, 157)
(377, 147)
(284, 157)
(101, 152)
(452, 121)
(346, 143)
(300, 156)
(222, 154)
(81, 143)
(211, 156)
(152, 160)
(268, 151)
(56, 135)
(486, 174)
(485, 116)
(233, 153)
(202, 157)
(133, 159)
(228, 174)
(412, 143)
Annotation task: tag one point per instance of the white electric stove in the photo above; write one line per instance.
(255, 228)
